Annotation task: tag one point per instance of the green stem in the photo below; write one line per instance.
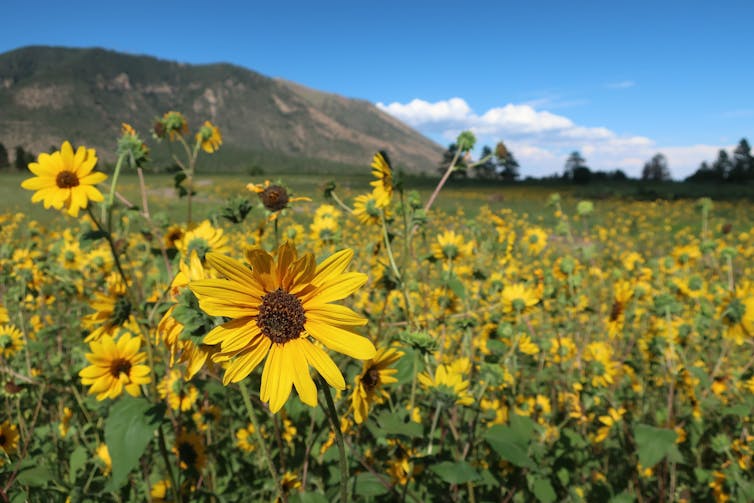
(332, 414)
(116, 174)
(434, 426)
(258, 434)
(413, 383)
(168, 465)
(340, 203)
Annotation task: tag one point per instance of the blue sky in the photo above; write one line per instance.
(619, 81)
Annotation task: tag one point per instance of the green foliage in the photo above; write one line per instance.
(129, 427)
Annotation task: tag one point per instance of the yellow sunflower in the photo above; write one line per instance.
(274, 309)
(209, 137)
(450, 246)
(448, 384)
(274, 197)
(202, 239)
(64, 179)
(8, 439)
(11, 340)
(365, 208)
(367, 389)
(383, 186)
(113, 310)
(190, 451)
(179, 394)
(103, 453)
(518, 298)
(115, 366)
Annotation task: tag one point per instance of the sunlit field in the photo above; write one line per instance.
(317, 339)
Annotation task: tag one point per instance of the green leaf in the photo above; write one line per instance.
(76, 462)
(456, 286)
(129, 427)
(511, 446)
(653, 443)
(458, 472)
(93, 235)
(398, 423)
(542, 489)
(623, 497)
(35, 476)
(369, 485)
(308, 498)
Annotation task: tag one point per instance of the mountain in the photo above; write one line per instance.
(50, 94)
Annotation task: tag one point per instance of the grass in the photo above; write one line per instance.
(468, 196)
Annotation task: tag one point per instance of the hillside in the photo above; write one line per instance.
(48, 94)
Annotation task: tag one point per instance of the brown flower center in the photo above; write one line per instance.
(2, 439)
(281, 316)
(120, 366)
(274, 197)
(187, 453)
(67, 179)
(371, 378)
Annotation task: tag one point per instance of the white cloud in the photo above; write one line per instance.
(624, 84)
(542, 140)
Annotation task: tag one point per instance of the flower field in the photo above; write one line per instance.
(241, 340)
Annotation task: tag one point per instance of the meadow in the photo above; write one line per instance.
(317, 339)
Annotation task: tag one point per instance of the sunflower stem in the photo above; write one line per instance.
(332, 414)
(168, 465)
(258, 434)
(116, 173)
(434, 426)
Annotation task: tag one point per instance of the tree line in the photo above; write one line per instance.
(21, 158)
(500, 164)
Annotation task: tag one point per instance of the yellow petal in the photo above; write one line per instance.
(341, 340)
(302, 380)
(324, 365)
(333, 266)
(336, 288)
(246, 362)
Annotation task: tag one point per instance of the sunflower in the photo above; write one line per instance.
(244, 438)
(450, 246)
(274, 197)
(8, 439)
(171, 330)
(449, 386)
(535, 240)
(115, 366)
(368, 386)
(383, 186)
(65, 422)
(190, 451)
(11, 340)
(65, 180)
(209, 137)
(207, 415)
(202, 239)
(172, 124)
(274, 309)
(179, 395)
(518, 298)
(365, 208)
(103, 454)
(113, 310)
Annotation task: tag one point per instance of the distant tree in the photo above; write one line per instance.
(486, 167)
(722, 165)
(574, 162)
(617, 175)
(743, 163)
(507, 164)
(656, 169)
(23, 158)
(447, 158)
(582, 175)
(4, 159)
(705, 173)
